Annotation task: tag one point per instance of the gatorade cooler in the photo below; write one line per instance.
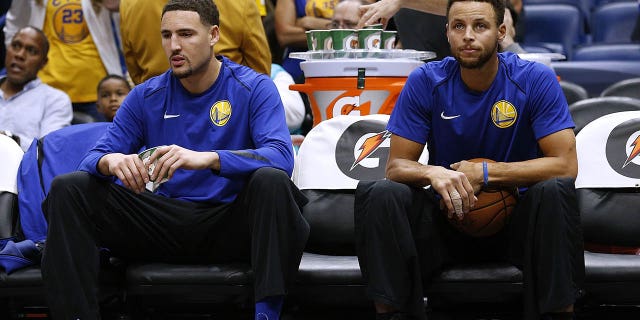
(354, 86)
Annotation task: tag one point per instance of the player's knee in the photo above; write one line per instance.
(267, 176)
(557, 187)
(385, 196)
(63, 184)
(383, 191)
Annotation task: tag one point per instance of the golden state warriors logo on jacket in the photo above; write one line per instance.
(220, 113)
(503, 114)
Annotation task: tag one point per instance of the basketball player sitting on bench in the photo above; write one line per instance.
(476, 104)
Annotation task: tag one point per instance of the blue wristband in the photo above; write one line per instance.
(485, 172)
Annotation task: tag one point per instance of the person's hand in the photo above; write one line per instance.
(173, 157)
(379, 12)
(473, 172)
(128, 168)
(455, 189)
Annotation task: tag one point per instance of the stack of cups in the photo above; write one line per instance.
(370, 38)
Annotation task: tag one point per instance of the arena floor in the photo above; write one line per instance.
(599, 313)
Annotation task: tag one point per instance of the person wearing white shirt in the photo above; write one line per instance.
(29, 108)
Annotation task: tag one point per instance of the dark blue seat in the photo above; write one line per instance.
(560, 24)
(618, 52)
(614, 22)
(595, 76)
(583, 5)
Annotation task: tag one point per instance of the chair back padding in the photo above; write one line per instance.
(333, 157)
(625, 88)
(614, 22)
(554, 23)
(608, 181)
(607, 52)
(585, 111)
(595, 76)
(573, 92)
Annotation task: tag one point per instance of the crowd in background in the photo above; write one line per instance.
(92, 43)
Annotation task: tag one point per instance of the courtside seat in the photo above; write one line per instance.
(608, 52)
(607, 188)
(161, 283)
(573, 92)
(612, 279)
(595, 76)
(557, 23)
(614, 22)
(587, 110)
(625, 88)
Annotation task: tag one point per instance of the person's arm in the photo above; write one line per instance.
(553, 128)
(115, 153)
(126, 26)
(268, 131)
(288, 31)
(403, 166)
(255, 40)
(16, 18)
(270, 135)
(383, 10)
(291, 100)
(559, 160)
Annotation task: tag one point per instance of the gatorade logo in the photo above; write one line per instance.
(623, 149)
(363, 149)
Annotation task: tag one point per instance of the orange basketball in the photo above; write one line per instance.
(491, 212)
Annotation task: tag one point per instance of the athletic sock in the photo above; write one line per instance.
(269, 308)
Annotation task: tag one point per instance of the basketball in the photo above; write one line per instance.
(490, 213)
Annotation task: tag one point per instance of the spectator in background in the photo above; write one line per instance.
(83, 44)
(420, 23)
(29, 108)
(4, 7)
(292, 19)
(243, 38)
(112, 90)
(510, 21)
(346, 14)
(294, 109)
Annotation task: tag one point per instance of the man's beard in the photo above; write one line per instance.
(190, 69)
(185, 73)
(484, 57)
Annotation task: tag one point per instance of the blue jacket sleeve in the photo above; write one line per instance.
(269, 132)
(124, 135)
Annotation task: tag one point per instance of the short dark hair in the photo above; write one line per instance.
(207, 10)
(113, 76)
(498, 8)
(43, 37)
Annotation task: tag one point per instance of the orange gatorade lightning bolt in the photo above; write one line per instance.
(634, 152)
(370, 145)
